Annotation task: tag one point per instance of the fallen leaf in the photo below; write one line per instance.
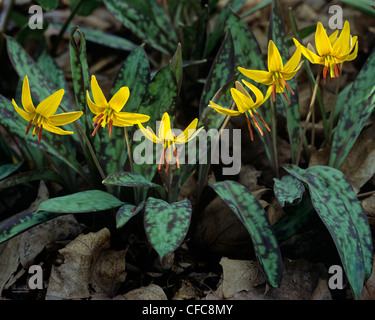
(89, 268)
(239, 275)
(321, 291)
(151, 292)
(368, 205)
(187, 291)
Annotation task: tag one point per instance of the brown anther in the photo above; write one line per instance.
(260, 118)
(257, 124)
(110, 127)
(97, 127)
(40, 132)
(28, 127)
(97, 119)
(249, 127)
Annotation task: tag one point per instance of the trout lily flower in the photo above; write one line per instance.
(277, 74)
(167, 138)
(43, 117)
(246, 104)
(332, 50)
(110, 112)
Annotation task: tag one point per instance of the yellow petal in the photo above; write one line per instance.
(119, 99)
(64, 118)
(275, 62)
(261, 76)
(165, 126)
(258, 94)
(243, 102)
(27, 103)
(292, 64)
(353, 55)
(27, 116)
(333, 36)
(192, 133)
(49, 105)
(268, 93)
(93, 107)
(222, 110)
(97, 93)
(322, 43)
(311, 56)
(341, 46)
(54, 129)
(129, 117)
(240, 88)
(148, 134)
(190, 129)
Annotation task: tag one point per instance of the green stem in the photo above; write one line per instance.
(65, 26)
(275, 159)
(130, 156)
(332, 116)
(312, 102)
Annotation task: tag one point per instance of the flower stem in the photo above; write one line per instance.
(332, 116)
(308, 116)
(274, 157)
(130, 156)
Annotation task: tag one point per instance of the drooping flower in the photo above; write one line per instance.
(332, 50)
(43, 117)
(277, 74)
(246, 104)
(110, 112)
(166, 137)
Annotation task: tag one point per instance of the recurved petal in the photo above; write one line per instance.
(341, 46)
(322, 43)
(261, 76)
(97, 93)
(181, 139)
(190, 129)
(222, 110)
(54, 129)
(129, 117)
(353, 55)
(311, 56)
(49, 105)
(258, 94)
(95, 109)
(119, 99)
(165, 126)
(27, 103)
(64, 118)
(294, 61)
(27, 116)
(275, 63)
(148, 134)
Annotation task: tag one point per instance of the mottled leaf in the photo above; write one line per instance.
(288, 190)
(250, 212)
(35, 175)
(153, 27)
(166, 225)
(340, 210)
(80, 202)
(176, 67)
(357, 108)
(126, 212)
(222, 70)
(48, 4)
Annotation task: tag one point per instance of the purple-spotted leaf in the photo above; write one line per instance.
(250, 212)
(338, 207)
(126, 212)
(166, 225)
(80, 202)
(288, 190)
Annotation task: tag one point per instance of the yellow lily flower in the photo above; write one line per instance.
(109, 112)
(332, 50)
(166, 137)
(246, 104)
(43, 116)
(277, 73)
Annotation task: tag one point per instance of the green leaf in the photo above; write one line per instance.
(166, 225)
(35, 175)
(147, 20)
(276, 32)
(250, 212)
(50, 143)
(80, 202)
(86, 7)
(357, 108)
(48, 4)
(20, 223)
(362, 5)
(8, 169)
(338, 207)
(176, 67)
(222, 70)
(288, 189)
(126, 212)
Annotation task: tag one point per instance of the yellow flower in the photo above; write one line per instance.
(109, 112)
(277, 73)
(166, 137)
(43, 116)
(246, 104)
(332, 50)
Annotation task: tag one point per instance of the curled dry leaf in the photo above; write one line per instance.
(151, 292)
(368, 205)
(89, 268)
